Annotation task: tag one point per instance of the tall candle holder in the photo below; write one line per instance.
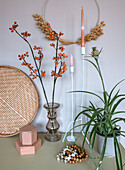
(71, 138)
(82, 57)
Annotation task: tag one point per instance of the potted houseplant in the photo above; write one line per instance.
(104, 119)
(37, 72)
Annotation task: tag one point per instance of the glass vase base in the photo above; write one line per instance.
(71, 138)
(53, 137)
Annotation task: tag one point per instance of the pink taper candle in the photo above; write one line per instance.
(71, 60)
(82, 29)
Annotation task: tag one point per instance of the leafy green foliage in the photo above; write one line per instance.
(102, 118)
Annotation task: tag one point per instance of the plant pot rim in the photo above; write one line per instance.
(107, 136)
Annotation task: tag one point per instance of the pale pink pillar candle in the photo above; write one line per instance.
(71, 60)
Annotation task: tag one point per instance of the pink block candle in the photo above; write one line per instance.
(71, 60)
(28, 149)
(28, 134)
(82, 29)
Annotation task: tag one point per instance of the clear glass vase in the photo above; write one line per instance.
(52, 125)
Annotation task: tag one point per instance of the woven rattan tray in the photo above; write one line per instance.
(19, 100)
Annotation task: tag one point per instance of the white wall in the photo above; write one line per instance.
(65, 16)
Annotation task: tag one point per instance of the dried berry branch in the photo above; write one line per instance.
(35, 72)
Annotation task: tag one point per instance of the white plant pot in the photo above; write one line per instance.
(109, 151)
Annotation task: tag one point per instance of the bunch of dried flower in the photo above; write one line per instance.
(45, 27)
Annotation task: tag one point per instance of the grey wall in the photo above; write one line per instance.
(65, 16)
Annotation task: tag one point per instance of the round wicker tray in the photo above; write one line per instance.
(19, 100)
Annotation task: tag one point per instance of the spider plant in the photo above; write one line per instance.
(104, 120)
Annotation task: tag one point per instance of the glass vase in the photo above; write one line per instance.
(52, 125)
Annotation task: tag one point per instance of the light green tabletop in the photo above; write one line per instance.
(45, 157)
